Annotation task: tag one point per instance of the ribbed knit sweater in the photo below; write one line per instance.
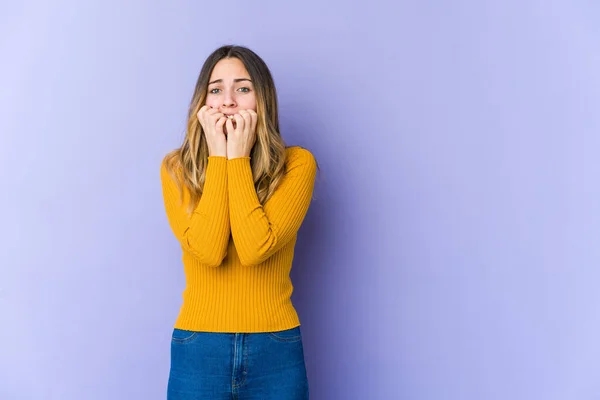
(237, 254)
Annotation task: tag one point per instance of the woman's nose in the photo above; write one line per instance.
(228, 100)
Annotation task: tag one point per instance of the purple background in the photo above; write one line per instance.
(452, 251)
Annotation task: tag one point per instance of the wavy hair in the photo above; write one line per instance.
(187, 164)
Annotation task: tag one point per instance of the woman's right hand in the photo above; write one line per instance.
(212, 122)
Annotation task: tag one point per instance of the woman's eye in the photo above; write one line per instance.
(243, 89)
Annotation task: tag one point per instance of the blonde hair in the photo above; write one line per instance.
(187, 164)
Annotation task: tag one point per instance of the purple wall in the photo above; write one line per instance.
(452, 252)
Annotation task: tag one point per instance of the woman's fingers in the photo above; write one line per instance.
(213, 121)
(214, 114)
(239, 123)
(200, 115)
(247, 121)
(211, 117)
(253, 119)
(219, 125)
(229, 125)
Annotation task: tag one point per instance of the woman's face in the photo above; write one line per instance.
(230, 88)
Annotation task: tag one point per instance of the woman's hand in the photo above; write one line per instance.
(241, 139)
(212, 122)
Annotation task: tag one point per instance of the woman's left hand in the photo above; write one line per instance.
(241, 139)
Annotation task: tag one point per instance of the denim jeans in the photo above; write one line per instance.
(265, 366)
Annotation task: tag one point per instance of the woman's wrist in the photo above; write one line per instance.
(217, 153)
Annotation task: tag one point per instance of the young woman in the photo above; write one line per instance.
(235, 196)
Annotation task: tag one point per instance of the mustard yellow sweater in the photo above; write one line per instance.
(237, 254)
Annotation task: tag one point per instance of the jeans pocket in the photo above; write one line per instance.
(183, 336)
(286, 336)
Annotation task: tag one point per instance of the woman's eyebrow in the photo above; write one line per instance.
(235, 80)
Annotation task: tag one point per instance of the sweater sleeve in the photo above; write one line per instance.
(260, 231)
(204, 233)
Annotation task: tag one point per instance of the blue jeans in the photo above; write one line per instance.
(208, 365)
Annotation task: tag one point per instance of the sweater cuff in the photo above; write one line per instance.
(240, 168)
(216, 165)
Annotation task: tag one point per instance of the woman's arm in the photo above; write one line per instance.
(260, 231)
(204, 234)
